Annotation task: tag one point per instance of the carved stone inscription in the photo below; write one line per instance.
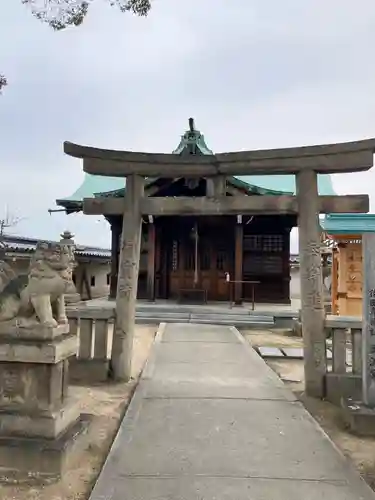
(30, 386)
(368, 320)
(12, 386)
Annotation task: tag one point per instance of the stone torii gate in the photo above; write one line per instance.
(303, 162)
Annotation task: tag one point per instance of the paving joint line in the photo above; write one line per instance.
(220, 398)
(338, 482)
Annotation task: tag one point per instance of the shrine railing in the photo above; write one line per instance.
(344, 375)
(94, 328)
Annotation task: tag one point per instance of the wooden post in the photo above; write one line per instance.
(238, 258)
(368, 320)
(334, 283)
(158, 263)
(127, 279)
(114, 258)
(286, 298)
(151, 262)
(315, 360)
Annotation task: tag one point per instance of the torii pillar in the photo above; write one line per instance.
(127, 283)
(312, 312)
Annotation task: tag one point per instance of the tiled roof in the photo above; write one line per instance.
(27, 245)
(348, 223)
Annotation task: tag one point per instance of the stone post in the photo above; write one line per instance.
(2, 251)
(359, 416)
(216, 186)
(115, 230)
(72, 296)
(312, 306)
(368, 320)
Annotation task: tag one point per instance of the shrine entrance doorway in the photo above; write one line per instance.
(196, 253)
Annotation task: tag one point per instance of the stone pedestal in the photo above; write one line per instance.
(359, 418)
(343, 385)
(73, 297)
(297, 328)
(39, 423)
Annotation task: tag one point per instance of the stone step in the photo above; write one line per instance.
(270, 352)
(236, 323)
(206, 317)
(257, 321)
(192, 310)
(164, 316)
(216, 320)
(152, 320)
(286, 352)
(293, 352)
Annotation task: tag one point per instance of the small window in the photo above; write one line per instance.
(92, 281)
(108, 278)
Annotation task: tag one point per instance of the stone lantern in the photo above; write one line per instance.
(72, 296)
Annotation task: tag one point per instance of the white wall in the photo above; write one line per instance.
(100, 272)
(295, 286)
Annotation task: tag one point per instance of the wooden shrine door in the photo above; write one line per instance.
(215, 258)
(200, 264)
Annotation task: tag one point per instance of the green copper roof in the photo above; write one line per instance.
(286, 183)
(95, 184)
(193, 142)
(348, 223)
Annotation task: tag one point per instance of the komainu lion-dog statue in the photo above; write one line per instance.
(38, 298)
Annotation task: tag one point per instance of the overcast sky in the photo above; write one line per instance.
(253, 73)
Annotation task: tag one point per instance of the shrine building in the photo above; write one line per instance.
(345, 231)
(205, 254)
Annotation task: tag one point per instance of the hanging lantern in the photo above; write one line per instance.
(194, 232)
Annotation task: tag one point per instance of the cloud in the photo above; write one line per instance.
(254, 75)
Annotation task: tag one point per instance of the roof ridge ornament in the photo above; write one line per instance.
(192, 142)
(191, 138)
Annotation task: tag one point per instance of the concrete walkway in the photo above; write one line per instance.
(211, 421)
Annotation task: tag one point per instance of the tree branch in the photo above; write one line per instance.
(3, 82)
(59, 14)
(8, 221)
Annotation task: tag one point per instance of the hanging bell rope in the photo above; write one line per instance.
(196, 255)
